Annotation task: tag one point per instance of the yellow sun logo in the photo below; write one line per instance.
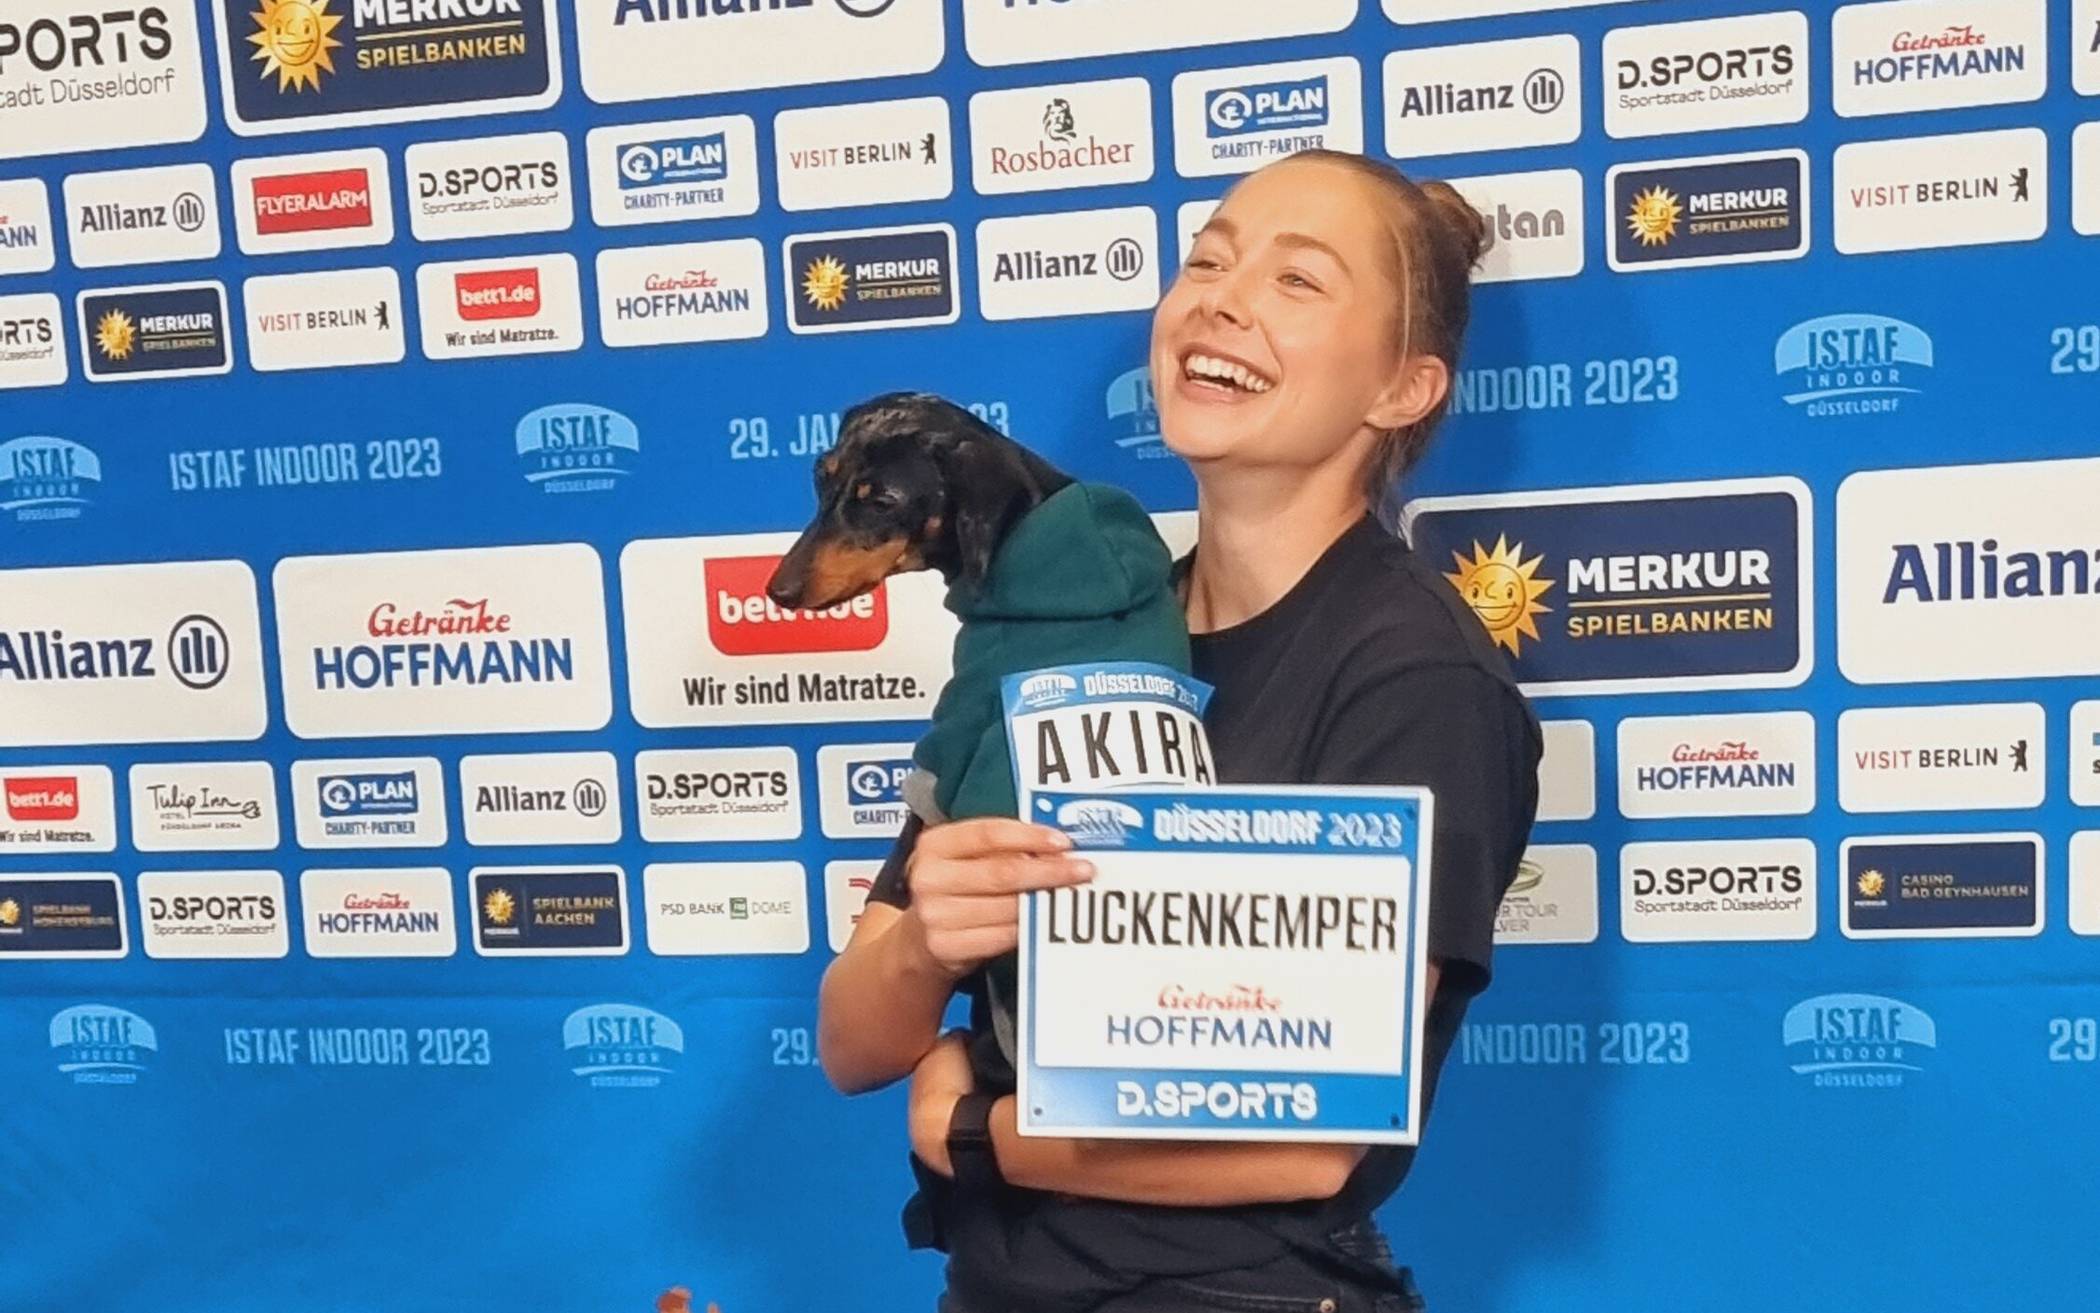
(825, 283)
(115, 335)
(295, 41)
(1654, 216)
(1503, 591)
(499, 907)
(1872, 883)
(10, 912)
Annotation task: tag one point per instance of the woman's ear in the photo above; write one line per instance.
(1417, 386)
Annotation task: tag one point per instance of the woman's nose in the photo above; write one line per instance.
(1225, 298)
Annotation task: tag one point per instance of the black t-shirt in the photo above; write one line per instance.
(1370, 670)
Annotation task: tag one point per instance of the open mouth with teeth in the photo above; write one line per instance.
(1218, 372)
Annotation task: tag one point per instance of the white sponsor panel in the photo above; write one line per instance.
(162, 653)
(2085, 882)
(2085, 47)
(1486, 95)
(325, 201)
(1534, 224)
(877, 153)
(203, 806)
(57, 809)
(1553, 899)
(404, 912)
(655, 49)
(691, 292)
(1234, 120)
(1964, 189)
(142, 216)
(1710, 74)
(1568, 771)
(32, 341)
(1979, 756)
(540, 798)
(1760, 763)
(27, 245)
(1437, 11)
(1969, 572)
(1708, 891)
(369, 802)
(1075, 134)
(520, 305)
(846, 889)
(86, 75)
(673, 172)
(326, 320)
(714, 795)
(2085, 172)
(861, 789)
(490, 186)
(1088, 262)
(726, 908)
(213, 914)
(1900, 56)
(1030, 31)
(2085, 753)
(1189, 220)
(489, 640)
(723, 653)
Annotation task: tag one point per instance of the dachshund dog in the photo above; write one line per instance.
(1042, 572)
(915, 483)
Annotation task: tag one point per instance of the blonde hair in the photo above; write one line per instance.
(1437, 240)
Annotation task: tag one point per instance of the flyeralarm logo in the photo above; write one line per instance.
(326, 201)
(743, 621)
(313, 202)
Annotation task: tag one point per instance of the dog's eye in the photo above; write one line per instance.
(881, 499)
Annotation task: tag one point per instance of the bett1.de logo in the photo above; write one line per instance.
(743, 621)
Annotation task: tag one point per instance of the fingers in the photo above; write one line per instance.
(997, 876)
(987, 835)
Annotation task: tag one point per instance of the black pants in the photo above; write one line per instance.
(1292, 1284)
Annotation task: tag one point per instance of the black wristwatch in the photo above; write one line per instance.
(970, 1153)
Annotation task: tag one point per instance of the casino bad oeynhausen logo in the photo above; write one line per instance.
(1635, 589)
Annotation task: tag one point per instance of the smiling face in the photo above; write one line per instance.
(1279, 343)
(1497, 593)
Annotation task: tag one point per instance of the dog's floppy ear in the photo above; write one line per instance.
(988, 490)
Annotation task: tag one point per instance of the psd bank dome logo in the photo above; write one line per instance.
(295, 42)
(1504, 591)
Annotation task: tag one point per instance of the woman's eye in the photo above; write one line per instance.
(1300, 280)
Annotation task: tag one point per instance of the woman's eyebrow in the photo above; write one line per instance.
(1303, 242)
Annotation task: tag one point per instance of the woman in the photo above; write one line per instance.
(1301, 361)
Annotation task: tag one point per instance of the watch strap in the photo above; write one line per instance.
(970, 1151)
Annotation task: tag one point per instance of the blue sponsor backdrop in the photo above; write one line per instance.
(1832, 1123)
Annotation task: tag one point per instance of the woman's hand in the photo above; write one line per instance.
(942, 1077)
(966, 880)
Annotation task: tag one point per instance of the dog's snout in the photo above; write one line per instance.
(785, 587)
